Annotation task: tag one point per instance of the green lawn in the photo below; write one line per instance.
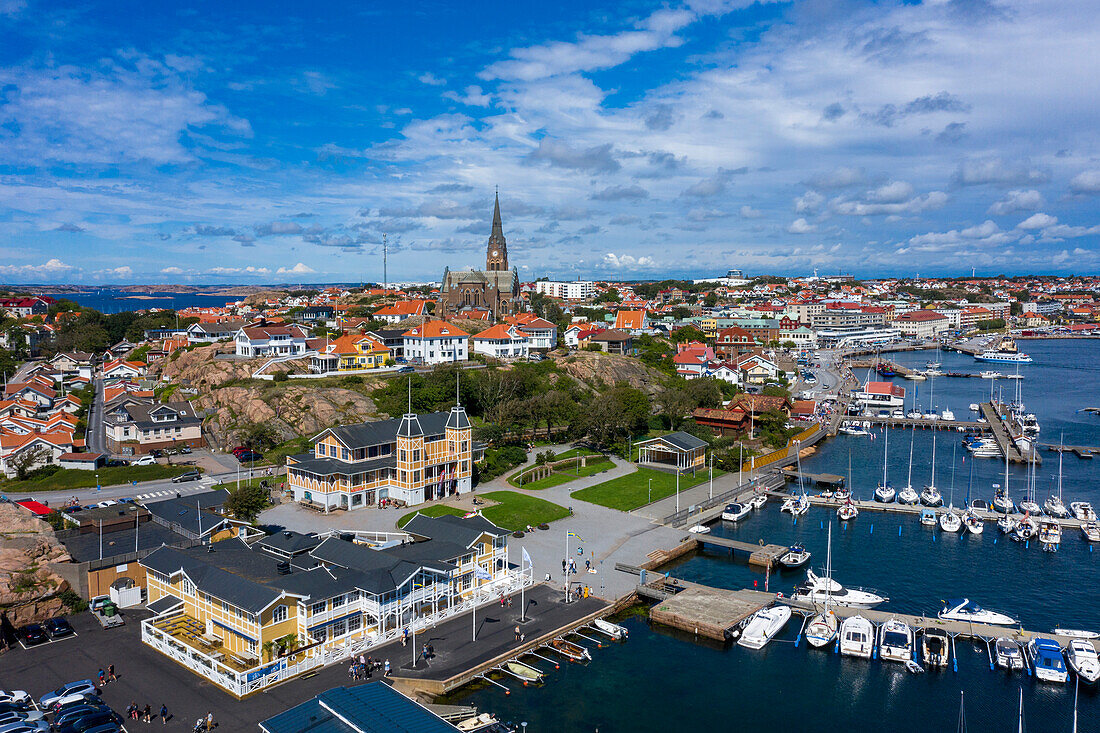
(435, 510)
(632, 491)
(573, 453)
(231, 485)
(74, 478)
(516, 511)
(564, 475)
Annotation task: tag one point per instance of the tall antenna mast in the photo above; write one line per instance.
(385, 274)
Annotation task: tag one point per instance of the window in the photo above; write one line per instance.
(279, 615)
(402, 456)
(345, 454)
(317, 608)
(187, 587)
(355, 623)
(226, 608)
(339, 601)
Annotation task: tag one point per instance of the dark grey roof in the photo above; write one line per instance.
(184, 511)
(410, 426)
(163, 603)
(681, 440)
(371, 708)
(330, 466)
(451, 529)
(289, 542)
(389, 334)
(231, 572)
(457, 418)
(86, 546)
(139, 413)
(379, 432)
(225, 327)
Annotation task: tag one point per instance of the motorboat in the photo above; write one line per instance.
(477, 723)
(928, 517)
(1046, 658)
(842, 494)
(988, 374)
(758, 501)
(895, 641)
(735, 512)
(908, 496)
(576, 652)
(1083, 660)
(914, 414)
(935, 648)
(818, 590)
(857, 637)
(973, 522)
(1008, 654)
(699, 529)
(822, 629)
(947, 415)
(984, 448)
(1053, 507)
(1083, 511)
(1029, 423)
(974, 407)
(885, 493)
(963, 609)
(796, 505)
(1050, 534)
(847, 511)
(763, 625)
(1026, 529)
(795, 557)
(1091, 530)
(950, 521)
(615, 631)
(523, 672)
(1077, 633)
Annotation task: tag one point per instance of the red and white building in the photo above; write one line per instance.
(436, 342)
(502, 341)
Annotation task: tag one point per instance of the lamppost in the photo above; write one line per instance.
(651, 491)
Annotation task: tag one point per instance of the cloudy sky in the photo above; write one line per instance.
(277, 141)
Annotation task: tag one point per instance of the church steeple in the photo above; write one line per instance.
(496, 253)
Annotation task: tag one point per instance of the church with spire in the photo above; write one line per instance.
(495, 289)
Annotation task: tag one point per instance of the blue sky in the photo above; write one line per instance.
(275, 141)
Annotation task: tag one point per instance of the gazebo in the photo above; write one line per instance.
(676, 452)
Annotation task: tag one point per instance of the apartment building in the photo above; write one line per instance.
(576, 290)
(136, 427)
(436, 342)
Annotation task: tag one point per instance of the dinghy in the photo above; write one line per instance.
(763, 625)
(570, 650)
(613, 630)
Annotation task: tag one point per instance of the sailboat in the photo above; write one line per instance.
(1054, 506)
(931, 495)
(949, 520)
(885, 492)
(971, 519)
(822, 627)
(1001, 502)
(908, 495)
(848, 510)
(1028, 505)
(800, 504)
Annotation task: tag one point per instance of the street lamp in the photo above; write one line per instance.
(651, 491)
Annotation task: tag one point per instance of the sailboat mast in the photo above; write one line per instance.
(933, 459)
(885, 451)
(1061, 440)
(912, 439)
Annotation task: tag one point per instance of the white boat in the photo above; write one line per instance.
(1054, 506)
(935, 647)
(1026, 529)
(857, 637)
(1077, 633)
(1050, 534)
(928, 517)
(1091, 530)
(1083, 660)
(950, 521)
(763, 625)
(1083, 511)
(931, 496)
(699, 529)
(908, 496)
(796, 505)
(990, 375)
(795, 557)
(478, 722)
(735, 512)
(1007, 524)
(758, 501)
(947, 415)
(613, 630)
(853, 429)
(1008, 654)
(895, 641)
(823, 626)
(963, 609)
(974, 407)
(1003, 357)
(983, 448)
(974, 524)
(820, 590)
(1046, 658)
(521, 671)
(847, 511)
(885, 493)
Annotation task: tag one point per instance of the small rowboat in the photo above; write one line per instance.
(523, 672)
(477, 722)
(613, 630)
(1078, 633)
(571, 650)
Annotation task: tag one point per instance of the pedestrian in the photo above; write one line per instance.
(424, 653)
(502, 600)
(404, 635)
(210, 724)
(163, 714)
(386, 669)
(517, 633)
(362, 659)
(588, 566)
(111, 673)
(563, 566)
(431, 649)
(102, 676)
(147, 714)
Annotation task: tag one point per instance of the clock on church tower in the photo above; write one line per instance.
(496, 256)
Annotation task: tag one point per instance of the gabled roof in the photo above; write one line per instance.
(435, 329)
(680, 440)
(500, 332)
(365, 434)
(461, 531)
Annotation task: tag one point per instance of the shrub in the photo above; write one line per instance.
(72, 600)
(281, 376)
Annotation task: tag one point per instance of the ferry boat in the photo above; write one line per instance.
(1006, 352)
(895, 641)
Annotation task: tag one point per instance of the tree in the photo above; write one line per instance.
(674, 404)
(710, 300)
(260, 437)
(611, 295)
(247, 502)
(26, 461)
(688, 333)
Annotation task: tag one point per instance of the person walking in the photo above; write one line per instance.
(563, 566)
(588, 565)
(111, 673)
(147, 714)
(210, 724)
(102, 677)
(404, 635)
(517, 633)
(164, 714)
(386, 669)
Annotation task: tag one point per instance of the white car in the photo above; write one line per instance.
(16, 696)
(144, 461)
(70, 691)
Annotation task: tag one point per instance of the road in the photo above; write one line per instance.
(96, 437)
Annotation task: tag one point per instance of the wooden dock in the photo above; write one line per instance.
(925, 423)
(761, 555)
(817, 479)
(916, 509)
(709, 612)
(1005, 436)
(1081, 451)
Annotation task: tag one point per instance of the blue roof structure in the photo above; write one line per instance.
(374, 707)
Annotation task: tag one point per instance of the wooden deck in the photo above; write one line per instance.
(761, 555)
(708, 612)
(916, 509)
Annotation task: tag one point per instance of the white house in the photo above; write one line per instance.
(400, 311)
(726, 372)
(271, 341)
(541, 334)
(502, 341)
(436, 342)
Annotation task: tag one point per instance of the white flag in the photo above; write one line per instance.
(482, 574)
(526, 557)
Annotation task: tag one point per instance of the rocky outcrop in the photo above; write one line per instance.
(200, 368)
(28, 586)
(594, 367)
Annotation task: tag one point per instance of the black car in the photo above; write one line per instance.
(189, 476)
(91, 720)
(89, 699)
(14, 707)
(246, 456)
(32, 634)
(78, 712)
(58, 627)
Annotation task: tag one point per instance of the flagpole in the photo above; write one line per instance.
(522, 589)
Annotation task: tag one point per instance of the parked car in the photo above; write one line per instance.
(14, 707)
(58, 627)
(156, 453)
(92, 720)
(32, 634)
(76, 712)
(240, 449)
(189, 476)
(25, 726)
(406, 370)
(80, 687)
(105, 728)
(14, 716)
(247, 456)
(21, 696)
(143, 461)
(89, 698)
(185, 449)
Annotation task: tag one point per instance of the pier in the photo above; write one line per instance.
(924, 423)
(1003, 434)
(915, 510)
(761, 555)
(830, 480)
(1081, 451)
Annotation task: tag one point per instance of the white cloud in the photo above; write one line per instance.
(472, 97)
(250, 270)
(997, 171)
(298, 269)
(747, 212)
(431, 79)
(172, 270)
(1086, 182)
(892, 193)
(627, 261)
(809, 203)
(52, 267)
(1016, 200)
(916, 205)
(125, 271)
(800, 226)
(1037, 221)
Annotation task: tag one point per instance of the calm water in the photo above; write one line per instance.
(663, 681)
(116, 301)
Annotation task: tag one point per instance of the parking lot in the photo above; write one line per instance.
(146, 677)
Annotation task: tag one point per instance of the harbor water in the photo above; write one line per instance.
(662, 680)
